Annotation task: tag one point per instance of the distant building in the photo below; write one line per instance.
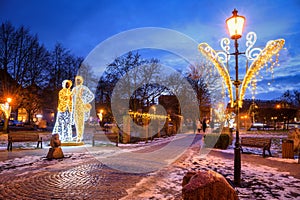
(268, 112)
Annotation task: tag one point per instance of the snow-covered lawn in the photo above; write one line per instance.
(258, 182)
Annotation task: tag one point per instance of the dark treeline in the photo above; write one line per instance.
(291, 97)
(31, 74)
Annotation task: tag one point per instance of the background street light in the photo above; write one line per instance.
(100, 116)
(8, 100)
(235, 25)
(6, 108)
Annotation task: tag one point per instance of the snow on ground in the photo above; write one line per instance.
(258, 182)
(86, 153)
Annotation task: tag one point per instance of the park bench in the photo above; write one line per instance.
(264, 143)
(23, 137)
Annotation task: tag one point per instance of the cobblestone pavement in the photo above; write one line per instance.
(81, 176)
(78, 176)
(87, 179)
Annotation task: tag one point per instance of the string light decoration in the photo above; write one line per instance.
(81, 98)
(217, 61)
(148, 115)
(63, 126)
(260, 58)
(264, 57)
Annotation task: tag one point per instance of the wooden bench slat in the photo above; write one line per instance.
(23, 137)
(264, 143)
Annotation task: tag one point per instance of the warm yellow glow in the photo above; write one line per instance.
(8, 100)
(235, 25)
(65, 97)
(272, 48)
(6, 109)
(82, 97)
(147, 115)
(211, 55)
(63, 126)
(278, 106)
(100, 115)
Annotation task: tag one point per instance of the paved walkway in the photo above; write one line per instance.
(81, 176)
(88, 179)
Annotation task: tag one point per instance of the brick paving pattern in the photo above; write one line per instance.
(92, 180)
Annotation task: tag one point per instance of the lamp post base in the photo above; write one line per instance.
(237, 166)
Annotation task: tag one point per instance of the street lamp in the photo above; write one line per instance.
(235, 25)
(259, 58)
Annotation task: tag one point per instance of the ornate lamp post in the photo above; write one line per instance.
(260, 58)
(235, 25)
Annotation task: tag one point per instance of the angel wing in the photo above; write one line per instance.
(211, 54)
(271, 49)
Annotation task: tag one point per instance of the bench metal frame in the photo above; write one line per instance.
(24, 137)
(264, 143)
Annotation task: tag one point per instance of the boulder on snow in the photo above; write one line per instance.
(207, 185)
(55, 152)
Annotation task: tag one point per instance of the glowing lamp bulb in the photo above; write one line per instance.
(235, 25)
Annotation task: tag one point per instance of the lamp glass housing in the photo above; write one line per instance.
(235, 25)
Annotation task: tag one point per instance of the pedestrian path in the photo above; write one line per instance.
(80, 175)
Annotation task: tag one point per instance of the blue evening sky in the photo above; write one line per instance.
(81, 25)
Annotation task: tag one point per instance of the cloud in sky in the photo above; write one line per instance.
(81, 25)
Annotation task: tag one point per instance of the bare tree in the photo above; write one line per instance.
(62, 65)
(7, 35)
(206, 84)
(15, 44)
(297, 97)
(31, 100)
(291, 97)
(26, 63)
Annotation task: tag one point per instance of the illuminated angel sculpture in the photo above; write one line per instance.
(63, 126)
(82, 97)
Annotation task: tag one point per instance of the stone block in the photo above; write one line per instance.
(55, 153)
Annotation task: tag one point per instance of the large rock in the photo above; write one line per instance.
(208, 185)
(55, 152)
